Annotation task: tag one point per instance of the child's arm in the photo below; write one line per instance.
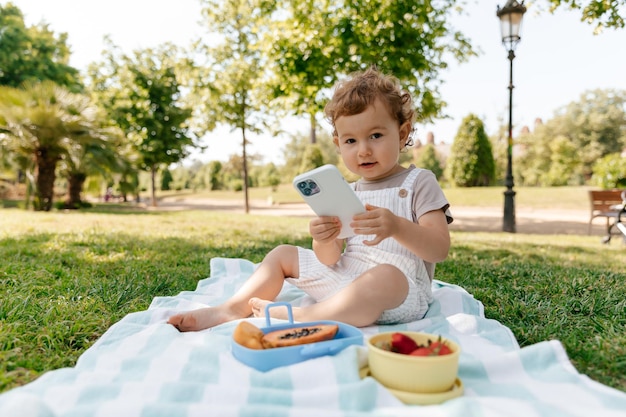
(429, 239)
(324, 231)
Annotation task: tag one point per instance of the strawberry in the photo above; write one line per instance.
(402, 343)
(439, 348)
(421, 351)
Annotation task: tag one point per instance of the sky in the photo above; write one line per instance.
(557, 60)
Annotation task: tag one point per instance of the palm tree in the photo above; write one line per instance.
(96, 157)
(41, 122)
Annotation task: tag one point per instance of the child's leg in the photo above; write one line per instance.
(266, 282)
(359, 304)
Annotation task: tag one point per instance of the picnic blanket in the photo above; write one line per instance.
(143, 367)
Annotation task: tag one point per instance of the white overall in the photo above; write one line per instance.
(321, 281)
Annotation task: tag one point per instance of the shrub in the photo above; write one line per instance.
(471, 161)
(312, 158)
(610, 171)
(428, 159)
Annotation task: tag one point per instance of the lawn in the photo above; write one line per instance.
(567, 198)
(65, 277)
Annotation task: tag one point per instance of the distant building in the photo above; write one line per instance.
(442, 148)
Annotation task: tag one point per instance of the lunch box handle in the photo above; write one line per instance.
(268, 319)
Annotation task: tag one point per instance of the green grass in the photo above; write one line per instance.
(67, 277)
(569, 198)
(569, 288)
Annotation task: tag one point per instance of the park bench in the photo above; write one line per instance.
(609, 204)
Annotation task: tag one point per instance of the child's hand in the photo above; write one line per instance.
(376, 221)
(325, 229)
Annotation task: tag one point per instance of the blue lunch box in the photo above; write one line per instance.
(266, 359)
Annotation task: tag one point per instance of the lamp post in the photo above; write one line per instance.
(510, 22)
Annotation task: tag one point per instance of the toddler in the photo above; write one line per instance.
(383, 274)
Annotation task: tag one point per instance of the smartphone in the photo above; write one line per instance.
(328, 194)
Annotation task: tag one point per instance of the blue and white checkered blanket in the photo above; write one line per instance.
(143, 367)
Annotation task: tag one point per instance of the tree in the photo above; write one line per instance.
(33, 53)
(166, 179)
(269, 176)
(471, 159)
(206, 176)
(142, 95)
(231, 89)
(306, 57)
(312, 158)
(610, 171)
(316, 43)
(564, 159)
(214, 169)
(41, 123)
(231, 173)
(294, 151)
(534, 160)
(411, 40)
(594, 126)
(428, 159)
(610, 14)
(95, 155)
(182, 177)
(500, 149)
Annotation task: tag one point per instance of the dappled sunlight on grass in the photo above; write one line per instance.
(65, 278)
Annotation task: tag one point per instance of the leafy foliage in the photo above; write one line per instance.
(268, 175)
(44, 123)
(166, 179)
(313, 44)
(304, 57)
(312, 158)
(429, 159)
(408, 39)
(604, 13)
(215, 168)
(471, 159)
(254, 52)
(231, 88)
(293, 51)
(610, 171)
(32, 54)
(565, 148)
(294, 153)
(142, 95)
(500, 148)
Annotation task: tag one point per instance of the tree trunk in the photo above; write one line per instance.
(245, 171)
(153, 185)
(44, 181)
(313, 127)
(76, 181)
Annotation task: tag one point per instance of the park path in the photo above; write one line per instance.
(473, 219)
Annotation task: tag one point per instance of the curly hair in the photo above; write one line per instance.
(353, 96)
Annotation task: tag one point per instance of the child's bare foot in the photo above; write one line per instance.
(258, 309)
(201, 319)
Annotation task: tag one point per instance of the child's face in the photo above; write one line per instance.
(370, 142)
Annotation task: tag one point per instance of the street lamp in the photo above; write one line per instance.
(510, 22)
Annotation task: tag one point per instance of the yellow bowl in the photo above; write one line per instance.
(418, 374)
